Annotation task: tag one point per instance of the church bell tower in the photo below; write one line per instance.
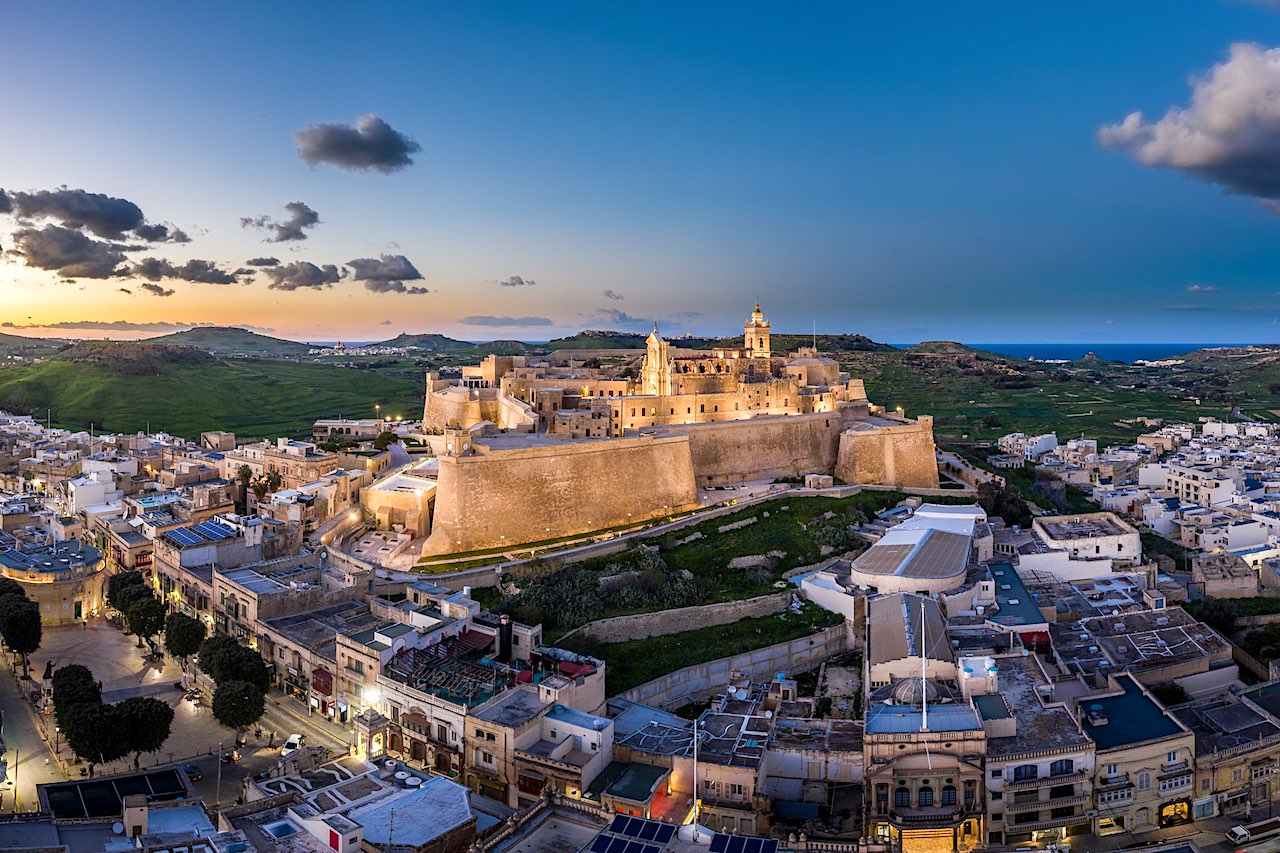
(755, 335)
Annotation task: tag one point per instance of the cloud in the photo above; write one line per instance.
(156, 289)
(103, 215)
(68, 252)
(490, 320)
(263, 262)
(200, 271)
(1201, 288)
(125, 290)
(1230, 133)
(385, 323)
(161, 234)
(612, 294)
(372, 145)
(619, 318)
(6, 203)
(300, 218)
(386, 274)
(516, 281)
(302, 274)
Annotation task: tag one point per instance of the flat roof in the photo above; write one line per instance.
(1132, 717)
(1014, 602)
(905, 719)
(916, 553)
(511, 709)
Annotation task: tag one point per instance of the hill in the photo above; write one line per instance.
(598, 339)
(192, 392)
(431, 342)
(21, 345)
(231, 341)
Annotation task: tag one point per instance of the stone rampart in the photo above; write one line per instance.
(639, 626)
(763, 448)
(703, 680)
(536, 493)
(899, 455)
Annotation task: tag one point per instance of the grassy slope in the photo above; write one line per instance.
(230, 341)
(251, 397)
(637, 661)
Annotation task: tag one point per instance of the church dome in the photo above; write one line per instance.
(913, 691)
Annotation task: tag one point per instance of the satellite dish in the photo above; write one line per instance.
(117, 828)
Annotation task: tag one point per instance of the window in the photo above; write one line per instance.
(1171, 758)
(1144, 781)
(480, 733)
(901, 797)
(736, 790)
(1112, 770)
(1237, 774)
(949, 795)
(1024, 772)
(995, 773)
(490, 736)
(924, 796)
(1062, 767)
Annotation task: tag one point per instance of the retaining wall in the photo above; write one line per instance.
(638, 626)
(701, 681)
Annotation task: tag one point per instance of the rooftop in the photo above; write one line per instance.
(417, 816)
(916, 553)
(511, 709)
(1226, 723)
(1087, 526)
(1125, 719)
(1040, 727)
(1015, 604)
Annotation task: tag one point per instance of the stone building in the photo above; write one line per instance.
(66, 579)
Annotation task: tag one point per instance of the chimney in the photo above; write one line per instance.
(504, 639)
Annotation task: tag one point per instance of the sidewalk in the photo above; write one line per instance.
(331, 733)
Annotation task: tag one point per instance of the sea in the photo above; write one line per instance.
(1127, 353)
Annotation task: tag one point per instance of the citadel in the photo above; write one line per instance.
(584, 440)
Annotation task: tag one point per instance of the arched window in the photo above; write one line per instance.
(924, 796)
(1062, 767)
(1025, 771)
(901, 797)
(949, 795)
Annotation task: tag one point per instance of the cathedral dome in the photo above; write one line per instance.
(913, 691)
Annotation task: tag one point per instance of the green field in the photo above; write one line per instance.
(637, 661)
(253, 398)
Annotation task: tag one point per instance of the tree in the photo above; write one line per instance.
(146, 619)
(1219, 614)
(183, 636)
(238, 704)
(95, 732)
(146, 722)
(73, 685)
(117, 585)
(248, 665)
(264, 484)
(20, 626)
(9, 586)
(384, 439)
(215, 655)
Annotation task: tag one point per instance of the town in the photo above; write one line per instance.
(934, 661)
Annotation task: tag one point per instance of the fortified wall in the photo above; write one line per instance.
(499, 497)
(764, 448)
(898, 455)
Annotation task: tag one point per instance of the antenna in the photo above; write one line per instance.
(924, 692)
(815, 334)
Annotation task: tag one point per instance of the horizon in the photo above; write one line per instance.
(609, 167)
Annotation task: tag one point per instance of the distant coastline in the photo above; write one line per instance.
(1128, 353)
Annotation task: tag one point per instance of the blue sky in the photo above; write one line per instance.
(903, 171)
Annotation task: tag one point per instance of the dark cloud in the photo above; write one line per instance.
(1229, 134)
(200, 271)
(6, 204)
(161, 234)
(612, 294)
(106, 216)
(300, 218)
(68, 252)
(516, 281)
(386, 274)
(385, 323)
(372, 145)
(156, 289)
(619, 318)
(490, 320)
(125, 290)
(300, 274)
(263, 262)
(244, 271)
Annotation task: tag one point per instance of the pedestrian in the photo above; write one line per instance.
(46, 762)
(84, 626)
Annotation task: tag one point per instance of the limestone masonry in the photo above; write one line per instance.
(532, 451)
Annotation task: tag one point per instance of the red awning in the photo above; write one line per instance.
(573, 670)
(1034, 636)
(524, 676)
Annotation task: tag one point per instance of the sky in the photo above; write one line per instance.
(1002, 171)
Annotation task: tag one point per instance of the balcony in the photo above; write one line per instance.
(1051, 823)
(1174, 769)
(1036, 805)
(1108, 783)
(939, 817)
(1045, 781)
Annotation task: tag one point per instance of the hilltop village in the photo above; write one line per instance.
(632, 601)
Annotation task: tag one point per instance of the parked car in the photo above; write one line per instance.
(194, 773)
(292, 745)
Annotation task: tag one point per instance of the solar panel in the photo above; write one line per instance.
(617, 845)
(719, 843)
(752, 845)
(648, 831)
(665, 833)
(213, 530)
(618, 827)
(601, 844)
(768, 845)
(183, 536)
